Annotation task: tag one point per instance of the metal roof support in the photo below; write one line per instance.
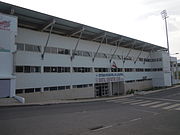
(118, 42)
(48, 25)
(101, 35)
(12, 11)
(115, 40)
(139, 54)
(149, 54)
(98, 49)
(73, 51)
(133, 44)
(42, 56)
(76, 31)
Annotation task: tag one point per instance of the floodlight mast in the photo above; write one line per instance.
(165, 16)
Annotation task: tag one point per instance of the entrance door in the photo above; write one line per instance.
(4, 88)
(101, 89)
(117, 88)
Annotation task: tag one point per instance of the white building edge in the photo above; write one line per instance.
(44, 57)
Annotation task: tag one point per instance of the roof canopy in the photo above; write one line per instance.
(40, 22)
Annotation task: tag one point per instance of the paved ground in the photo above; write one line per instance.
(152, 114)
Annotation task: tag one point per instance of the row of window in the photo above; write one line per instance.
(52, 88)
(57, 69)
(29, 90)
(140, 80)
(55, 50)
(82, 86)
(36, 69)
(28, 69)
(28, 47)
(82, 69)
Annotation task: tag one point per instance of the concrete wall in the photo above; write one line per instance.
(56, 95)
(35, 80)
(138, 85)
(8, 31)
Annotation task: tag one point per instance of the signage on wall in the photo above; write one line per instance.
(113, 65)
(8, 23)
(109, 77)
(5, 25)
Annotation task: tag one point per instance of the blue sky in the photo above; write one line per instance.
(139, 19)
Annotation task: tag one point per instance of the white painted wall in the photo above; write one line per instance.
(8, 31)
(33, 80)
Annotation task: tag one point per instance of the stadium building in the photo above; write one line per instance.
(44, 57)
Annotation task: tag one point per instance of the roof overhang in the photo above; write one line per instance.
(39, 21)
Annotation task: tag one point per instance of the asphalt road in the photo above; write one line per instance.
(152, 114)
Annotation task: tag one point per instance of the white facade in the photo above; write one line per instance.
(57, 76)
(8, 31)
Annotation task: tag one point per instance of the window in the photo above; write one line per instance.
(130, 81)
(101, 69)
(128, 69)
(147, 69)
(53, 50)
(61, 87)
(47, 49)
(116, 69)
(37, 89)
(28, 48)
(139, 70)
(55, 88)
(57, 69)
(82, 69)
(27, 69)
(63, 51)
(29, 90)
(19, 69)
(35, 69)
(140, 59)
(19, 91)
(47, 69)
(37, 49)
(101, 55)
(20, 47)
(82, 86)
(53, 69)
(56, 50)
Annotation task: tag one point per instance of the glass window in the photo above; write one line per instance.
(29, 90)
(46, 88)
(47, 69)
(47, 49)
(37, 89)
(53, 69)
(29, 47)
(67, 87)
(61, 87)
(19, 91)
(27, 69)
(20, 47)
(53, 50)
(53, 88)
(19, 69)
(37, 48)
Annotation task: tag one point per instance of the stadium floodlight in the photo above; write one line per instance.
(165, 16)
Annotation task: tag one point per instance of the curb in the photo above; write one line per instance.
(64, 102)
(149, 92)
